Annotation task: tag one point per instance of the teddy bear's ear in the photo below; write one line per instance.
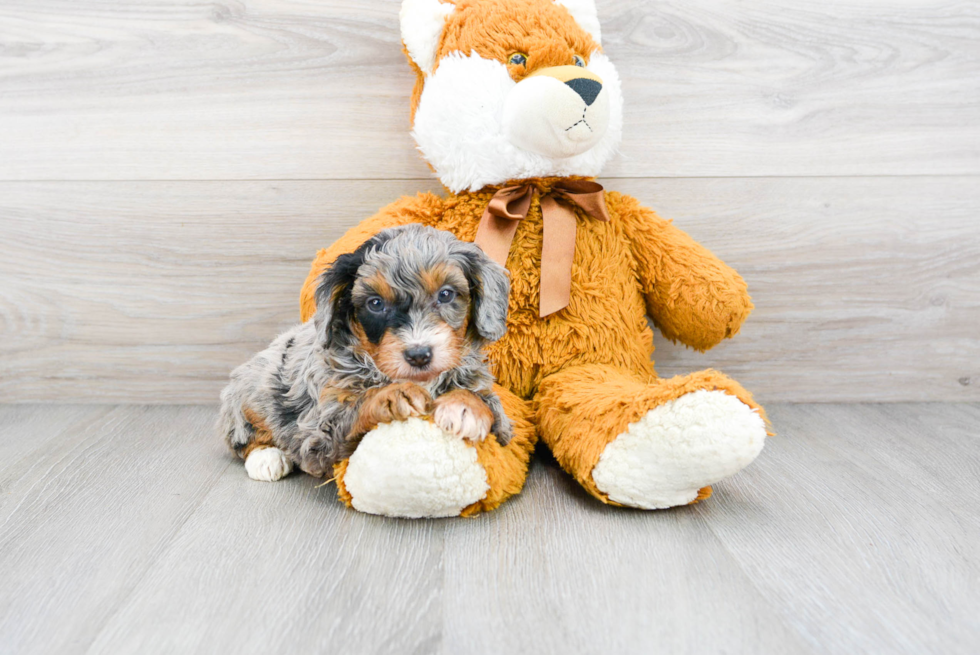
(422, 22)
(585, 14)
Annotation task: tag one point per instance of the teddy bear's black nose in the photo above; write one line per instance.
(586, 88)
(419, 357)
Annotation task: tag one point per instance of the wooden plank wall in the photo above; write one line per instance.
(168, 169)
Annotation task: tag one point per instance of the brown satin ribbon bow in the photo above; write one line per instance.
(511, 204)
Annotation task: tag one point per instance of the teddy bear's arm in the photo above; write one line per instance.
(425, 208)
(691, 295)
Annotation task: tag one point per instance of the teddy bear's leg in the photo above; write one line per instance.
(412, 469)
(646, 442)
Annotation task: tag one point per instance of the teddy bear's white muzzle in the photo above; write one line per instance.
(554, 118)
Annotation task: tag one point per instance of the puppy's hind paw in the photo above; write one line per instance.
(464, 414)
(267, 464)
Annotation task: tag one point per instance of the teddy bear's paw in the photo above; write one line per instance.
(414, 469)
(267, 464)
(663, 459)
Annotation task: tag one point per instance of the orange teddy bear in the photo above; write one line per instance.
(516, 109)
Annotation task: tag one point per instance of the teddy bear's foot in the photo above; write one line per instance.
(414, 469)
(267, 464)
(674, 450)
(630, 438)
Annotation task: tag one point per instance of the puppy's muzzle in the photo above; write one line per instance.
(418, 356)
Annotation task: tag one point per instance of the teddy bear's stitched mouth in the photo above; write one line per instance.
(581, 121)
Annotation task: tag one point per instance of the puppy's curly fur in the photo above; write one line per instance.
(399, 332)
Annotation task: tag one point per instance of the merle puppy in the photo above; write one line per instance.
(399, 331)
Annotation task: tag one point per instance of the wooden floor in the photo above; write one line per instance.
(168, 169)
(128, 529)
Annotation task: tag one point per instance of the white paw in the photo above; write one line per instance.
(459, 419)
(413, 469)
(267, 464)
(674, 450)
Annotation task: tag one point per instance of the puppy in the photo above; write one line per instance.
(399, 332)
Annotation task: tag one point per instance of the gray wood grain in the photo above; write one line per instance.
(285, 567)
(286, 89)
(89, 511)
(862, 550)
(866, 289)
(558, 572)
(954, 439)
(857, 530)
(26, 428)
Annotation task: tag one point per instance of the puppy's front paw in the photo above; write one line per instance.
(396, 402)
(464, 414)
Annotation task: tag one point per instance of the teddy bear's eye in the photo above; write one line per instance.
(579, 61)
(518, 59)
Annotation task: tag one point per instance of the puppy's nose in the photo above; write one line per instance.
(419, 357)
(586, 88)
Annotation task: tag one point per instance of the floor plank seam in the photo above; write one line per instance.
(161, 550)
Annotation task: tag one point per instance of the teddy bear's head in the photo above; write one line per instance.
(510, 89)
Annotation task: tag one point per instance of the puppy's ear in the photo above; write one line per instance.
(334, 306)
(489, 290)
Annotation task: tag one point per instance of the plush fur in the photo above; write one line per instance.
(467, 140)
(583, 376)
(663, 459)
(419, 456)
(466, 121)
(309, 397)
(422, 22)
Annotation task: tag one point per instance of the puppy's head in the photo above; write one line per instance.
(415, 299)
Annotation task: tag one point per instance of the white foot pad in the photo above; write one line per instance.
(663, 459)
(413, 469)
(267, 464)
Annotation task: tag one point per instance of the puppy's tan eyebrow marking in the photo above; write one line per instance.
(380, 286)
(433, 278)
(440, 275)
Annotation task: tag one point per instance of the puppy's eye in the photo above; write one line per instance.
(579, 61)
(446, 296)
(375, 304)
(518, 59)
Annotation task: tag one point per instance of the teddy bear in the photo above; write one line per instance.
(516, 109)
